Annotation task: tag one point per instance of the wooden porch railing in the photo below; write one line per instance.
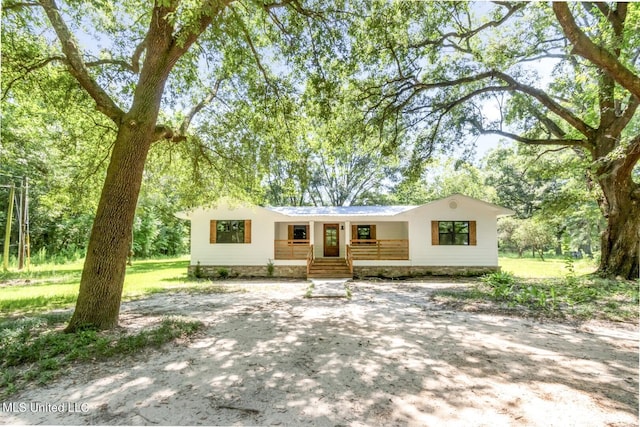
(310, 257)
(349, 258)
(380, 249)
(291, 249)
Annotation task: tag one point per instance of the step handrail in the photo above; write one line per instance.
(310, 258)
(349, 257)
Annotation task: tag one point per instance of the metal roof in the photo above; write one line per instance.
(340, 210)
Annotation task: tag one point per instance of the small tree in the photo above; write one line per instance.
(534, 235)
(506, 227)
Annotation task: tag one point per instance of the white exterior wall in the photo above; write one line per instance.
(415, 223)
(282, 228)
(422, 252)
(386, 229)
(258, 252)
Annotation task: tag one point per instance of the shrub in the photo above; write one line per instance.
(223, 273)
(501, 283)
(197, 272)
(270, 268)
(499, 278)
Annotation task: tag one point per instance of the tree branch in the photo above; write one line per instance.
(121, 63)
(255, 53)
(599, 56)
(18, 5)
(186, 36)
(621, 122)
(511, 9)
(197, 108)
(513, 85)
(167, 133)
(532, 141)
(137, 54)
(29, 69)
(548, 102)
(76, 65)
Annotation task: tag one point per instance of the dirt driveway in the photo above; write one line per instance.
(388, 356)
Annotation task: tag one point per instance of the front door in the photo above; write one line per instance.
(331, 240)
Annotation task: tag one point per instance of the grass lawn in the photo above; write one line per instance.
(56, 286)
(32, 344)
(552, 288)
(551, 267)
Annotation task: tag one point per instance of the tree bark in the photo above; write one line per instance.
(98, 304)
(621, 239)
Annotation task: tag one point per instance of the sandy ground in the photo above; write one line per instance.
(389, 356)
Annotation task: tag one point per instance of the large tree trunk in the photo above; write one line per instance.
(621, 239)
(98, 304)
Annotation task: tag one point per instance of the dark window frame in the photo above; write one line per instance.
(230, 231)
(303, 238)
(454, 233)
(363, 227)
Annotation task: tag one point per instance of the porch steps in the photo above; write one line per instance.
(329, 268)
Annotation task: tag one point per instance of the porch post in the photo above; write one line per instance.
(347, 235)
(312, 234)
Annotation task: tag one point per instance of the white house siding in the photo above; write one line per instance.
(413, 223)
(258, 252)
(386, 229)
(423, 253)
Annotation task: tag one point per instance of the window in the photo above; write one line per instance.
(454, 233)
(300, 233)
(364, 232)
(230, 231)
(361, 233)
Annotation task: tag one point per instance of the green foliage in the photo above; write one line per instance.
(499, 278)
(223, 273)
(197, 272)
(584, 297)
(34, 348)
(442, 178)
(335, 105)
(270, 268)
(533, 235)
(570, 277)
(501, 283)
(56, 286)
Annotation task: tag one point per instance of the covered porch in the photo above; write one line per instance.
(382, 240)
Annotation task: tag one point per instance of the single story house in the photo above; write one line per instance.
(454, 235)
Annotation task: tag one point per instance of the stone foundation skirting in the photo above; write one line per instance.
(419, 271)
(361, 272)
(232, 271)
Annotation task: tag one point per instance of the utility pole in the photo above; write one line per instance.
(7, 235)
(22, 242)
(27, 238)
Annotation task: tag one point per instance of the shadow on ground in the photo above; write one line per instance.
(388, 356)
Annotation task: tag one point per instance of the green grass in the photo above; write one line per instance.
(35, 350)
(551, 288)
(33, 347)
(535, 268)
(56, 286)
